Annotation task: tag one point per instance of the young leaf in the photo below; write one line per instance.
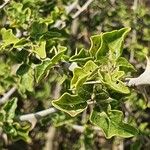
(80, 75)
(16, 131)
(8, 37)
(82, 56)
(59, 53)
(71, 104)
(112, 124)
(40, 49)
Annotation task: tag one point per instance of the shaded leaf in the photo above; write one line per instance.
(54, 33)
(23, 69)
(112, 124)
(38, 29)
(10, 108)
(85, 91)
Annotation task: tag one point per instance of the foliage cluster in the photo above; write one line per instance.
(78, 65)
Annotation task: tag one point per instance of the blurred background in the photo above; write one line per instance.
(75, 21)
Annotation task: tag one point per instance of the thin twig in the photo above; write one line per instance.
(5, 3)
(84, 7)
(6, 96)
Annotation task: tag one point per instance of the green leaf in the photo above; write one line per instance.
(85, 91)
(59, 53)
(71, 104)
(16, 131)
(8, 37)
(37, 29)
(27, 82)
(42, 69)
(116, 85)
(54, 33)
(40, 49)
(112, 124)
(23, 69)
(113, 42)
(113, 82)
(22, 132)
(10, 108)
(82, 56)
(80, 75)
(95, 44)
(122, 62)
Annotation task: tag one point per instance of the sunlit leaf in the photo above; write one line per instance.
(40, 49)
(8, 37)
(80, 75)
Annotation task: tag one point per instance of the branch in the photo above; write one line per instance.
(68, 10)
(5, 3)
(81, 129)
(82, 9)
(143, 79)
(7, 95)
(71, 7)
(33, 117)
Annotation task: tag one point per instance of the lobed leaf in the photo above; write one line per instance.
(112, 124)
(40, 49)
(8, 37)
(111, 42)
